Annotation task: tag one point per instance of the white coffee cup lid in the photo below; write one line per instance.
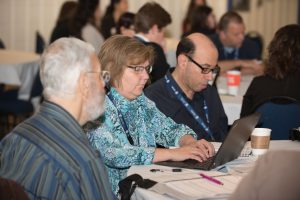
(261, 132)
(234, 72)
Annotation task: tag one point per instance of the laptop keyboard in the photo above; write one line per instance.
(190, 164)
(194, 164)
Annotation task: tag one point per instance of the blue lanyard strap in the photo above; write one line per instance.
(236, 54)
(123, 123)
(172, 85)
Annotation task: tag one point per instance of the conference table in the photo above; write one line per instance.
(18, 68)
(233, 104)
(189, 185)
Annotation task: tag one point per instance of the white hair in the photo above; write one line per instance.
(61, 65)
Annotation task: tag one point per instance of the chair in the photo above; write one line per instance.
(280, 114)
(9, 189)
(2, 46)
(14, 110)
(39, 43)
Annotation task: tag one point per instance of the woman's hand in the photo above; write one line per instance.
(190, 148)
(189, 152)
(199, 150)
(204, 146)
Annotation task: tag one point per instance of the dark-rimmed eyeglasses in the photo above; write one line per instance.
(104, 75)
(205, 70)
(140, 69)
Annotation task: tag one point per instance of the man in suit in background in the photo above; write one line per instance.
(236, 50)
(150, 23)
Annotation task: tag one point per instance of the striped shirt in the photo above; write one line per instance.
(50, 156)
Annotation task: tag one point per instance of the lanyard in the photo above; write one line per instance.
(236, 54)
(172, 85)
(123, 123)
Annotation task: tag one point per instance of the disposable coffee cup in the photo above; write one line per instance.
(233, 81)
(260, 140)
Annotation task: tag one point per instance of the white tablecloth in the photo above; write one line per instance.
(166, 175)
(18, 68)
(233, 104)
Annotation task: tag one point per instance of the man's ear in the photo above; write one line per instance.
(222, 35)
(182, 60)
(154, 29)
(83, 85)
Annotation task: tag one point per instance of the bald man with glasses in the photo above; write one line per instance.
(185, 94)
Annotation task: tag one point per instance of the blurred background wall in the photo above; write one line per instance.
(20, 19)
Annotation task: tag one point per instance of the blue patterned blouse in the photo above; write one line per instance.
(147, 126)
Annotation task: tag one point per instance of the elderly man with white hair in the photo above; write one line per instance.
(49, 154)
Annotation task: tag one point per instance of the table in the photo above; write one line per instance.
(18, 68)
(166, 178)
(233, 104)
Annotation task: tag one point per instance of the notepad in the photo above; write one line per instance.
(199, 188)
(246, 152)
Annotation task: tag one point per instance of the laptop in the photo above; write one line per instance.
(230, 149)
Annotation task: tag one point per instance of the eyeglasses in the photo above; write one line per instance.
(205, 70)
(140, 69)
(104, 75)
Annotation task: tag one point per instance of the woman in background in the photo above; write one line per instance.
(113, 12)
(186, 24)
(125, 25)
(132, 126)
(62, 27)
(282, 72)
(85, 22)
(203, 21)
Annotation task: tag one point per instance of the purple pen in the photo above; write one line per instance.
(212, 179)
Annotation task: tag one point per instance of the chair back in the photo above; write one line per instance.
(9, 189)
(39, 43)
(2, 46)
(281, 114)
(37, 87)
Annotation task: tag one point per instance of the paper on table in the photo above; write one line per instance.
(241, 166)
(245, 152)
(199, 188)
(165, 174)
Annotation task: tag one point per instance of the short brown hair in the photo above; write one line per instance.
(119, 51)
(151, 14)
(228, 17)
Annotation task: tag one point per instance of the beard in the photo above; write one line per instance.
(94, 107)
